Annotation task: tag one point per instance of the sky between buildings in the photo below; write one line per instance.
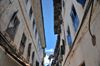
(48, 14)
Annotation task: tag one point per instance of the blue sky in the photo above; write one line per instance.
(48, 14)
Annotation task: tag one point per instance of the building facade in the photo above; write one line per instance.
(59, 51)
(77, 24)
(22, 37)
(51, 58)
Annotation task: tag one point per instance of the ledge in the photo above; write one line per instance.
(57, 12)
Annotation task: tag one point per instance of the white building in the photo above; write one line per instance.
(22, 37)
(77, 24)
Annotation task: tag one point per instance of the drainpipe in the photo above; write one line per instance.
(93, 36)
(84, 16)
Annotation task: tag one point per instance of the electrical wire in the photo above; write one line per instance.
(90, 19)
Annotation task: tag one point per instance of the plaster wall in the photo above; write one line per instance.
(25, 26)
(83, 50)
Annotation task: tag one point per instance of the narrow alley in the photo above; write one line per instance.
(49, 32)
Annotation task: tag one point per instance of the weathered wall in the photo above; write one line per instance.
(83, 49)
(6, 59)
(25, 26)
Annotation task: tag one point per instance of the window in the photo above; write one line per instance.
(35, 32)
(63, 4)
(30, 12)
(82, 2)
(26, 1)
(69, 40)
(39, 47)
(22, 44)
(33, 58)
(63, 47)
(75, 19)
(33, 24)
(37, 63)
(12, 28)
(40, 50)
(29, 50)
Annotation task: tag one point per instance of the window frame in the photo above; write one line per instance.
(63, 4)
(29, 51)
(30, 12)
(76, 21)
(82, 2)
(69, 37)
(33, 55)
(35, 33)
(15, 24)
(33, 24)
(22, 45)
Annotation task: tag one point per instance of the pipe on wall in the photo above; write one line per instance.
(84, 16)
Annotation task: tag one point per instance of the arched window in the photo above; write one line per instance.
(29, 50)
(33, 54)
